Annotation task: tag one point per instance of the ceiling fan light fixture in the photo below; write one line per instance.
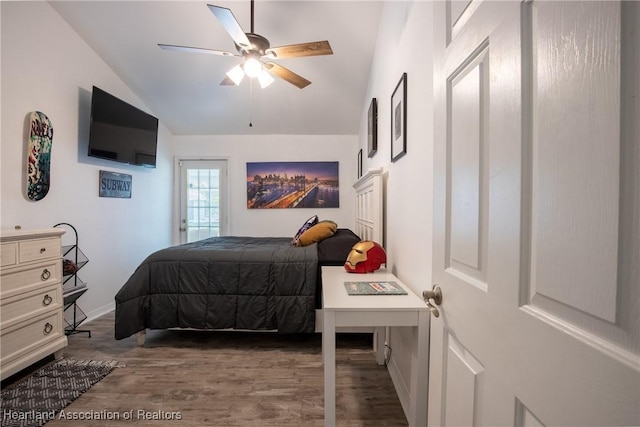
(252, 67)
(236, 74)
(265, 79)
(255, 48)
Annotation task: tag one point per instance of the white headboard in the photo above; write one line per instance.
(369, 206)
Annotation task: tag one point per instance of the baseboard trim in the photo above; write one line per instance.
(400, 385)
(100, 311)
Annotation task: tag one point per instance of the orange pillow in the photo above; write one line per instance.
(317, 233)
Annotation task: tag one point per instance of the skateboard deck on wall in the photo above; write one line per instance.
(39, 156)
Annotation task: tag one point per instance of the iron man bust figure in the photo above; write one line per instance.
(365, 257)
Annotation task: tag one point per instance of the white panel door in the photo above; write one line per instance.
(537, 214)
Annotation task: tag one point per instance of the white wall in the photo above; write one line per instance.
(240, 149)
(47, 67)
(404, 44)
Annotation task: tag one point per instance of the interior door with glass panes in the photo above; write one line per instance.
(203, 199)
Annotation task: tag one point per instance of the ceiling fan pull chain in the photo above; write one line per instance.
(250, 99)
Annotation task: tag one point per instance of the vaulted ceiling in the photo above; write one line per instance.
(183, 89)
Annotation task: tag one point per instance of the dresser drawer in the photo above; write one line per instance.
(24, 306)
(21, 280)
(30, 335)
(36, 250)
(8, 254)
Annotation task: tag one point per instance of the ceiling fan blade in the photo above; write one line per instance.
(230, 23)
(195, 50)
(286, 74)
(302, 49)
(227, 82)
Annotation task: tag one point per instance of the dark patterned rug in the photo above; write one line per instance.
(38, 398)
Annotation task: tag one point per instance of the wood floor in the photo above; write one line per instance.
(230, 379)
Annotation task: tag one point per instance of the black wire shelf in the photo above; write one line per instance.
(73, 259)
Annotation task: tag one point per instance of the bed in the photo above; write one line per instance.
(243, 283)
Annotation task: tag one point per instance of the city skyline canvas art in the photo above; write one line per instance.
(282, 185)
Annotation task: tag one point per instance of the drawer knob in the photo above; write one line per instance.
(43, 250)
(45, 274)
(47, 300)
(48, 327)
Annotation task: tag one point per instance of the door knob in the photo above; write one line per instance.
(436, 295)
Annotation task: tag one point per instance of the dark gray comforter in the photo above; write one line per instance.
(219, 283)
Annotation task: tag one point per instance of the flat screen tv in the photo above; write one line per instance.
(121, 132)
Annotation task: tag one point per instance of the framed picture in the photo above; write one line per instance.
(284, 185)
(360, 163)
(399, 119)
(113, 184)
(372, 140)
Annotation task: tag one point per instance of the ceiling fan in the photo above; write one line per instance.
(257, 52)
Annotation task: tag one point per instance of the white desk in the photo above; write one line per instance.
(342, 309)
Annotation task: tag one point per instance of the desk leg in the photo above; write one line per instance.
(329, 361)
(419, 372)
(379, 338)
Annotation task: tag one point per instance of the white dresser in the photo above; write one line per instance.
(31, 306)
